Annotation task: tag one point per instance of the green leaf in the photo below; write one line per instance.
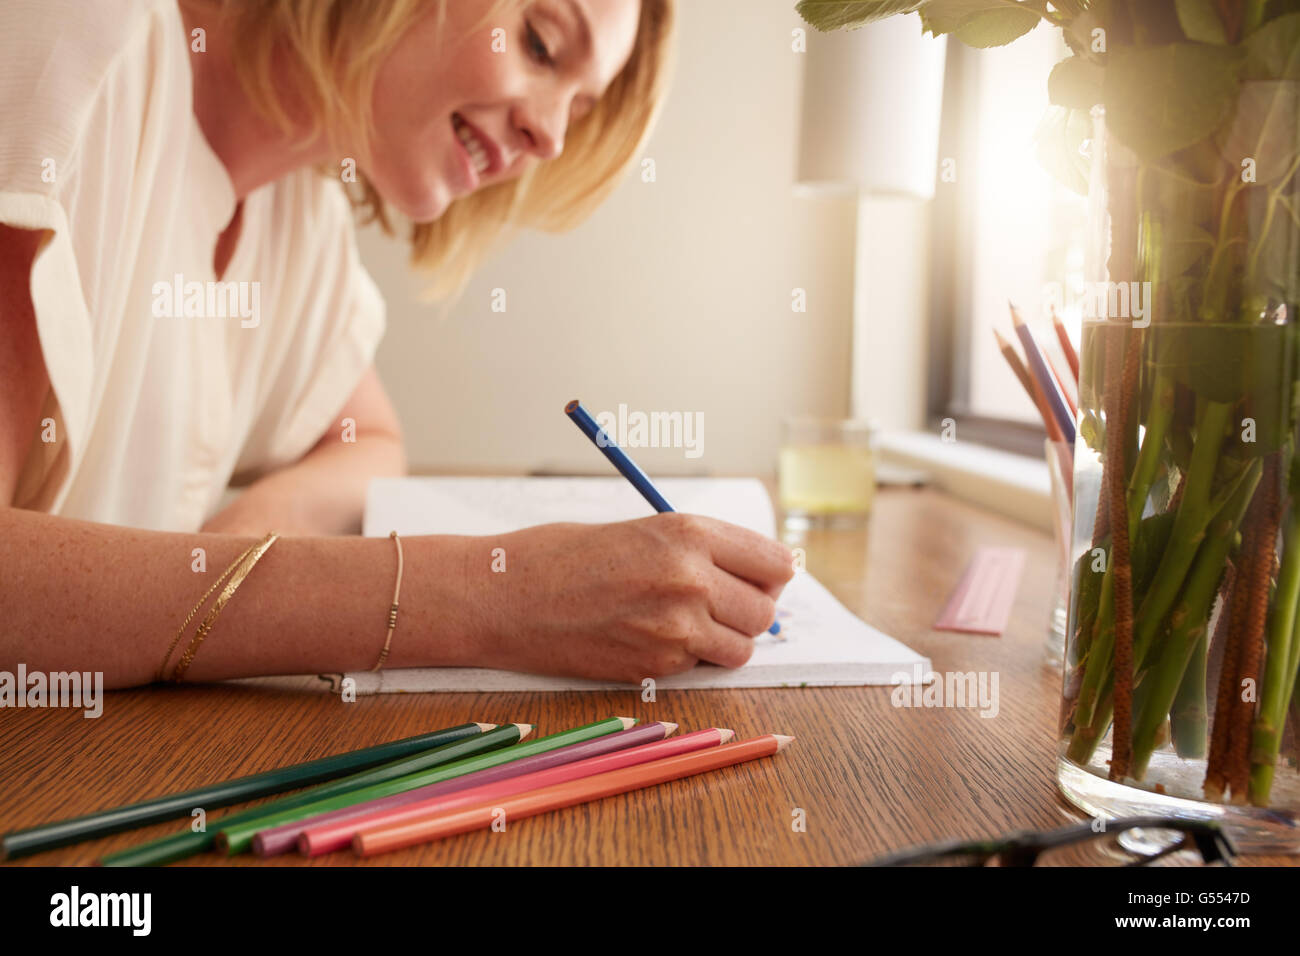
(1249, 366)
(979, 23)
(1278, 273)
(1273, 51)
(945, 16)
(1174, 192)
(1058, 144)
(1264, 128)
(1149, 546)
(1200, 21)
(1164, 98)
(1183, 245)
(1075, 82)
(828, 15)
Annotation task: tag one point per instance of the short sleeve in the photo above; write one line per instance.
(67, 70)
(340, 323)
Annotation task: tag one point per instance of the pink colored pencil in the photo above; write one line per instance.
(283, 838)
(337, 835)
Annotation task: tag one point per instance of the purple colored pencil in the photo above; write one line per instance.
(1038, 366)
(281, 839)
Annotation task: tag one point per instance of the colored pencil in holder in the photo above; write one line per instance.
(1030, 386)
(1067, 347)
(1038, 368)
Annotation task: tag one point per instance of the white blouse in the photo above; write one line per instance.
(163, 383)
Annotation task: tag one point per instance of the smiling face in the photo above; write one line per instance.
(489, 98)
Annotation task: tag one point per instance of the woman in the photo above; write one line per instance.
(182, 303)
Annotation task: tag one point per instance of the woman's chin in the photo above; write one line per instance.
(426, 205)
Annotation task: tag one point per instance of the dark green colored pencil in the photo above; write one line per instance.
(181, 845)
(103, 822)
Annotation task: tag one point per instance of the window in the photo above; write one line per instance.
(1005, 229)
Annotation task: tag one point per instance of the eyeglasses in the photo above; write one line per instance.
(1049, 847)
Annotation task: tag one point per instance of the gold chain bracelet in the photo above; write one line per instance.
(237, 571)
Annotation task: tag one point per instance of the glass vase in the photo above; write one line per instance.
(1183, 638)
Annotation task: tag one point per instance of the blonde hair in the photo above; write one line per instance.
(336, 48)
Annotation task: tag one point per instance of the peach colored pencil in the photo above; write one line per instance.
(336, 834)
(440, 824)
(1031, 386)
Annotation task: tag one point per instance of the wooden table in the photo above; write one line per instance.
(869, 777)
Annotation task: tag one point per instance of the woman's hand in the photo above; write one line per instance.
(625, 601)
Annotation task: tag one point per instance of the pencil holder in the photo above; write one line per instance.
(1060, 468)
(1184, 638)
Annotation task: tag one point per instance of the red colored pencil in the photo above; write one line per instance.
(1066, 382)
(1067, 347)
(440, 824)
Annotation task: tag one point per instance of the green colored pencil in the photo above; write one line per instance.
(238, 837)
(103, 822)
(180, 845)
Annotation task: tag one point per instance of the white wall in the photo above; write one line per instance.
(674, 296)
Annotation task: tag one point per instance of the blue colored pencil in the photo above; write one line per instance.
(626, 466)
(1038, 365)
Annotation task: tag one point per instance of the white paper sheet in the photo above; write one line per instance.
(825, 644)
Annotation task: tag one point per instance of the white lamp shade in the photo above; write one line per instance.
(871, 102)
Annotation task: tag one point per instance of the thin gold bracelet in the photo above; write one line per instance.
(162, 668)
(205, 627)
(392, 611)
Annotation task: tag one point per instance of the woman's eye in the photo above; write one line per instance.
(537, 46)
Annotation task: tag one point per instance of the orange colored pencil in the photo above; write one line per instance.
(1031, 386)
(439, 824)
(1067, 347)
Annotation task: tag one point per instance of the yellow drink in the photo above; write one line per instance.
(827, 479)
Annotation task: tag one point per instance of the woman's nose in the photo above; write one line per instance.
(543, 126)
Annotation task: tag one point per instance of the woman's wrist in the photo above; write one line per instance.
(441, 621)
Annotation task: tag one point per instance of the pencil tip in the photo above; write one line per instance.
(669, 728)
(524, 730)
(1015, 313)
(725, 736)
(628, 722)
(782, 741)
(484, 728)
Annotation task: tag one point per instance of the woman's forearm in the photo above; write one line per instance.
(76, 595)
(322, 493)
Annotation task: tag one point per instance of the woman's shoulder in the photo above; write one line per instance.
(79, 41)
(61, 60)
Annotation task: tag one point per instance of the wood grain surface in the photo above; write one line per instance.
(869, 777)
